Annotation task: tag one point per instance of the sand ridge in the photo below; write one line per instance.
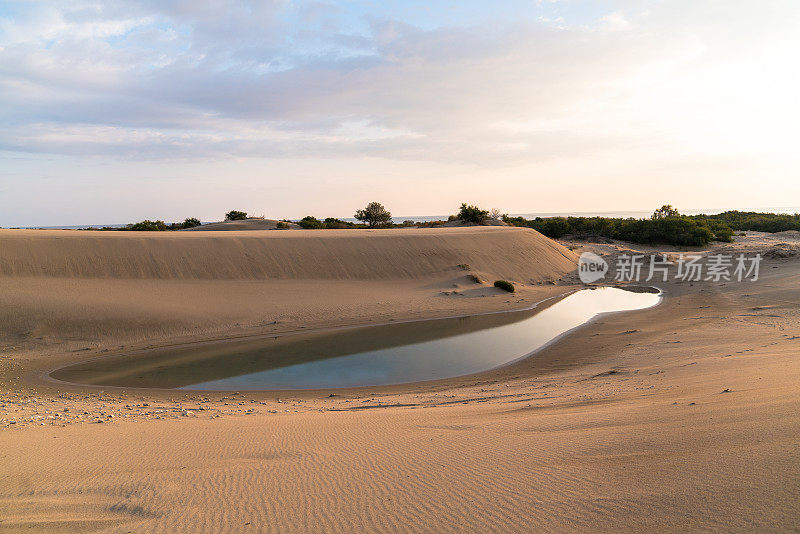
(514, 253)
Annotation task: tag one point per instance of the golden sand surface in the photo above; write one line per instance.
(682, 416)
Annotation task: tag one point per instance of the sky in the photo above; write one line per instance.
(119, 111)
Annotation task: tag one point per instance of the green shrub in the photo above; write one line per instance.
(334, 223)
(310, 223)
(472, 214)
(514, 221)
(504, 285)
(147, 226)
(432, 224)
(722, 232)
(678, 230)
(158, 226)
(282, 225)
(235, 215)
(754, 221)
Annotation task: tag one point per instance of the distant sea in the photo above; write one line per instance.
(427, 218)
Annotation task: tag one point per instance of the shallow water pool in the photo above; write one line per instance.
(365, 356)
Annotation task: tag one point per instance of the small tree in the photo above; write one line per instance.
(495, 214)
(472, 214)
(374, 215)
(191, 222)
(235, 215)
(664, 212)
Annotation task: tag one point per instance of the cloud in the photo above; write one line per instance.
(197, 79)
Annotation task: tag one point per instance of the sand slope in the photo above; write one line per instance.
(514, 253)
(68, 291)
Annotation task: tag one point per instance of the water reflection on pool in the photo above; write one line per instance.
(366, 356)
(446, 357)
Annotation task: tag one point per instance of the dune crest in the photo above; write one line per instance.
(513, 253)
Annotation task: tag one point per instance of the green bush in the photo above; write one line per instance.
(234, 215)
(334, 223)
(191, 222)
(722, 232)
(679, 231)
(666, 228)
(310, 223)
(504, 285)
(282, 225)
(433, 224)
(147, 226)
(754, 221)
(472, 214)
(158, 226)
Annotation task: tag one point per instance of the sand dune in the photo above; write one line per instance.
(513, 253)
(78, 290)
